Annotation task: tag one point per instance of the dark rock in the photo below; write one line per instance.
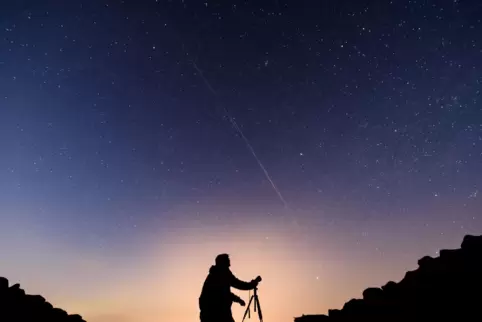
(59, 314)
(391, 290)
(444, 287)
(15, 305)
(334, 313)
(389, 287)
(354, 306)
(310, 318)
(75, 318)
(15, 290)
(49, 306)
(472, 242)
(409, 281)
(424, 261)
(3, 283)
(37, 299)
(451, 255)
(372, 294)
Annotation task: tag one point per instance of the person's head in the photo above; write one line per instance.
(222, 260)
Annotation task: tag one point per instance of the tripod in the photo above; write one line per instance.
(256, 305)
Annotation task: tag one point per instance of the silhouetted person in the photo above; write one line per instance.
(216, 296)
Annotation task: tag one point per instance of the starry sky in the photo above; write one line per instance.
(326, 145)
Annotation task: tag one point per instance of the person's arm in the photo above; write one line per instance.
(241, 285)
(235, 298)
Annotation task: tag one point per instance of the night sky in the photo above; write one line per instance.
(326, 145)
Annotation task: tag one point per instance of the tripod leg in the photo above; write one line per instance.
(260, 314)
(247, 308)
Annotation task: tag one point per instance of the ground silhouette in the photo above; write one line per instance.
(446, 287)
(15, 306)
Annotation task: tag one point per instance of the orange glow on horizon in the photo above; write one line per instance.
(162, 281)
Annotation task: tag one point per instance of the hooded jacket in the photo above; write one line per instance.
(216, 292)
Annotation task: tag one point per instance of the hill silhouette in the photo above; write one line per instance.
(446, 287)
(15, 305)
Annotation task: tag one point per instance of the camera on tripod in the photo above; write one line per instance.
(255, 300)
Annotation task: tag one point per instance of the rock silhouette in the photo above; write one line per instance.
(446, 287)
(15, 306)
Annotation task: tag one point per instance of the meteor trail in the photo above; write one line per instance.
(246, 141)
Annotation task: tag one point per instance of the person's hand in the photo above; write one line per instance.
(242, 303)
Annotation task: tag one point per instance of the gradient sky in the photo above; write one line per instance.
(122, 176)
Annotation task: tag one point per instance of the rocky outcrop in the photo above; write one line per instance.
(446, 287)
(15, 306)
